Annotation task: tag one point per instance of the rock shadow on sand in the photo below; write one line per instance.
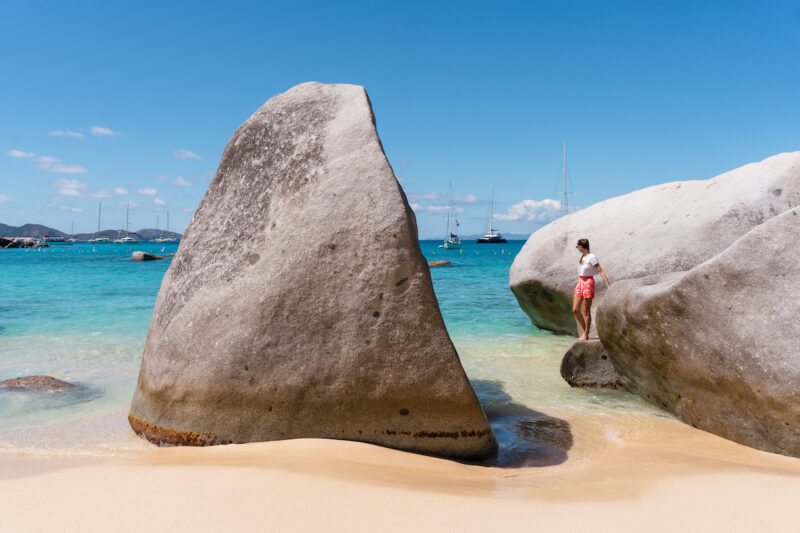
(527, 438)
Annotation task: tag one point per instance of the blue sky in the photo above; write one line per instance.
(147, 94)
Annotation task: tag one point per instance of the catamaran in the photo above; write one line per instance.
(451, 241)
(127, 239)
(491, 236)
(98, 238)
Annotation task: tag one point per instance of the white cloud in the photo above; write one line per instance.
(532, 211)
(132, 204)
(433, 208)
(66, 133)
(467, 199)
(69, 192)
(180, 182)
(102, 131)
(53, 164)
(19, 153)
(69, 187)
(120, 190)
(77, 189)
(185, 154)
(50, 164)
(70, 209)
(148, 191)
(4, 198)
(159, 201)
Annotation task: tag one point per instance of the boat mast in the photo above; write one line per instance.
(99, 209)
(565, 204)
(450, 214)
(491, 211)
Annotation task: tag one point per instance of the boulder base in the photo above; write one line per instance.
(299, 303)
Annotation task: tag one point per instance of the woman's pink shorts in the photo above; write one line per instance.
(585, 287)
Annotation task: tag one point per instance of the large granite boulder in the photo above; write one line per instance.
(717, 345)
(664, 228)
(299, 303)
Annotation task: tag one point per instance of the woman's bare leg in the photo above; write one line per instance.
(587, 315)
(576, 310)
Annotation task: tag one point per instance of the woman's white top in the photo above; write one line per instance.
(586, 267)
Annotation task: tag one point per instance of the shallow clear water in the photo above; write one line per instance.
(81, 313)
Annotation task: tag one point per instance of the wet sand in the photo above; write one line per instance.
(661, 476)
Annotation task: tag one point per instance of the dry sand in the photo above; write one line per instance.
(669, 478)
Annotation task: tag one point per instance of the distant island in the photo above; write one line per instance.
(37, 231)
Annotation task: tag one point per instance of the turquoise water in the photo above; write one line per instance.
(81, 313)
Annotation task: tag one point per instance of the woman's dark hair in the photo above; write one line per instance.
(583, 243)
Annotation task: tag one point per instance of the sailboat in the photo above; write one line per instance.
(451, 241)
(72, 240)
(169, 238)
(127, 239)
(97, 238)
(491, 236)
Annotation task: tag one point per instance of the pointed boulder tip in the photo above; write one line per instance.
(299, 304)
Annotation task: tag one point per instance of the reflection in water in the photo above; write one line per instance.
(526, 437)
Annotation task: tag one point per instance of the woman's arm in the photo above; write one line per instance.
(600, 269)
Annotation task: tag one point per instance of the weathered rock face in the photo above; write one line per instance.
(586, 364)
(37, 384)
(716, 345)
(665, 228)
(299, 303)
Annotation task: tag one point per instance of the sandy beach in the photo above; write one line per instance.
(670, 477)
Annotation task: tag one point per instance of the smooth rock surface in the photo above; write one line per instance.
(586, 364)
(144, 256)
(664, 228)
(717, 345)
(37, 384)
(299, 303)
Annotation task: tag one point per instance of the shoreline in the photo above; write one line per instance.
(681, 477)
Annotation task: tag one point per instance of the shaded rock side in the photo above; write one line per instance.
(715, 345)
(586, 364)
(37, 384)
(664, 228)
(299, 303)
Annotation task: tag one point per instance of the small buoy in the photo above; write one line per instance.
(461, 252)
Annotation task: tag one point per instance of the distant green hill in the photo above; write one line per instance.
(37, 231)
(29, 230)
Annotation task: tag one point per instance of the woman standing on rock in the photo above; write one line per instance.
(588, 267)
